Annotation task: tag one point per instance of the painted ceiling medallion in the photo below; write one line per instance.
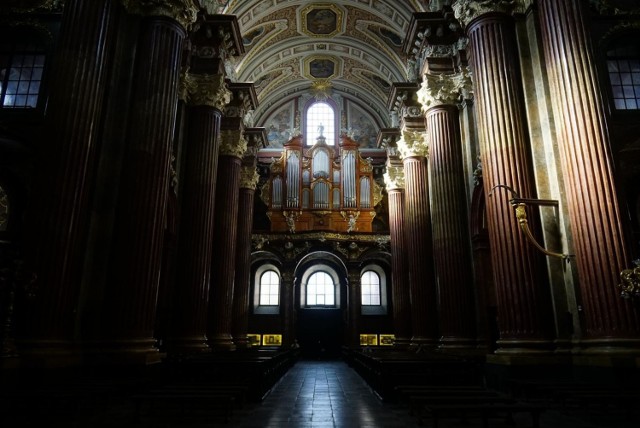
(321, 20)
(321, 67)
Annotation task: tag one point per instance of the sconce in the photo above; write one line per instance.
(520, 206)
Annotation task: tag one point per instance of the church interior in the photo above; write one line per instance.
(210, 209)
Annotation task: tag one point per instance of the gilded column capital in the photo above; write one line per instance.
(412, 144)
(249, 177)
(232, 143)
(204, 90)
(468, 10)
(184, 12)
(394, 177)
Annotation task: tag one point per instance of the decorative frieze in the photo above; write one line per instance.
(204, 90)
(232, 143)
(413, 143)
(249, 177)
(184, 12)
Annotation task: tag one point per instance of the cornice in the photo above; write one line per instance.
(204, 90)
(185, 12)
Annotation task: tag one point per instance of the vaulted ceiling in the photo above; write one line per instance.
(348, 48)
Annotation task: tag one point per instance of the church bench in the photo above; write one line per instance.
(482, 411)
(170, 402)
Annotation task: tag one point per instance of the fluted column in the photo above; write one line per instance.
(130, 298)
(248, 182)
(58, 217)
(355, 307)
(418, 239)
(451, 246)
(394, 180)
(232, 149)
(524, 308)
(611, 324)
(205, 96)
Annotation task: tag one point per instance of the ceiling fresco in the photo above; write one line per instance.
(351, 47)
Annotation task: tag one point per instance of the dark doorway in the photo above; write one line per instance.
(320, 333)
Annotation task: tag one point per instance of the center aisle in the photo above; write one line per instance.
(322, 394)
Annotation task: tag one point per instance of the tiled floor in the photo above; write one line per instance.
(330, 394)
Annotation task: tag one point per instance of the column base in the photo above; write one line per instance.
(423, 343)
(221, 342)
(524, 346)
(608, 347)
(402, 342)
(241, 342)
(48, 354)
(133, 352)
(186, 345)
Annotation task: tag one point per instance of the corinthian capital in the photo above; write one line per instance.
(232, 143)
(438, 89)
(468, 10)
(204, 90)
(183, 11)
(413, 143)
(249, 177)
(394, 177)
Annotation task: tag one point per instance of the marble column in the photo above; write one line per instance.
(394, 180)
(232, 149)
(205, 96)
(418, 239)
(611, 324)
(130, 298)
(355, 307)
(524, 305)
(248, 182)
(58, 217)
(451, 246)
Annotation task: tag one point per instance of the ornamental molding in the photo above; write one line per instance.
(232, 143)
(214, 7)
(467, 10)
(185, 12)
(204, 90)
(38, 6)
(413, 144)
(249, 177)
(394, 177)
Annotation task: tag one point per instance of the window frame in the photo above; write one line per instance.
(336, 113)
(383, 307)
(257, 285)
(333, 274)
(611, 55)
(26, 37)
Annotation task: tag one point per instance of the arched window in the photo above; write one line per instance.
(623, 65)
(22, 59)
(269, 288)
(266, 290)
(373, 294)
(370, 286)
(321, 290)
(320, 121)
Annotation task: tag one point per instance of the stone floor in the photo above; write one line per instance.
(330, 394)
(319, 394)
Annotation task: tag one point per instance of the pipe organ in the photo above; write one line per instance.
(323, 188)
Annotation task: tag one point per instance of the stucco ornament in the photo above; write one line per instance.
(249, 177)
(413, 143)
(232, 143)
(394, 177)
(467, 10)
(204, 90)
(183, 11)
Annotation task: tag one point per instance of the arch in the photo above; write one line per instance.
(381, 306)
(259, 304)
(320, 271)
(320, 119)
